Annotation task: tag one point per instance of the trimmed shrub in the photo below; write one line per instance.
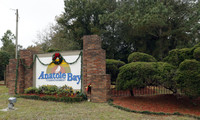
(196, 53)
(140, 57)
(176, 56)
(188, 78)
(50, 90)
(52, 98)
(30, 90)
(130, 77)
(142, 74)
(112, 68)
(167, 73)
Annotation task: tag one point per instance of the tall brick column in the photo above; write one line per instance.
(11, 75)
(25, 76)
(94, 69)
(27, 56)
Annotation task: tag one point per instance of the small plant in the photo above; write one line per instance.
(51, 90)
(30, 90)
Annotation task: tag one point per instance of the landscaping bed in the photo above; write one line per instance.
(160, 104)
(74, 98)
(53, 93)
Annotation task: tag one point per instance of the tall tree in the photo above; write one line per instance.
(4, 60)
(155, 26)
(125, 26)
(8, 44)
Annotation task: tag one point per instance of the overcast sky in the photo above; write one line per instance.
(34, 16)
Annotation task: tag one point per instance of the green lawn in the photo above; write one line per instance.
(1, 82)
(46, 110)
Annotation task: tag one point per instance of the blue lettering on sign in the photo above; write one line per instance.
(60, 77)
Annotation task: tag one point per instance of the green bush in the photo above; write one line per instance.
(188, 78)
(135, 75)
(167, 72)
(50, 90)
(140, 57)
(142, 74)
(30, 90)
(176, 56)
(52, 98)
(196, 53)
(112, 68)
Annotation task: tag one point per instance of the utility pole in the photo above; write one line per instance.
(17, 16)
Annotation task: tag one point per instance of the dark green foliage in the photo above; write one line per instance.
(8, 43)
(31, 90)
(52, 98)
(196, 53)
(136, 75)
(84, 96)
(50, 90)
(112, 68)
(176, 56)
(188, 78)
(166, 74)
(125, 26)
(140, 57)
(4, 60)
(142, 74)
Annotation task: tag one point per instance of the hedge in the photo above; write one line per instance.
(196, 53)
(140, 57)
(188, 78)
(52, 98)
(142, 74)
(176, 56)
(112, 68)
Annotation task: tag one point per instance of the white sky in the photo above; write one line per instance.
(34, 16)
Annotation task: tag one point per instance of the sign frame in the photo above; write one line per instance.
(64, 54)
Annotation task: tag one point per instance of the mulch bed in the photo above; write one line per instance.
(160, 103)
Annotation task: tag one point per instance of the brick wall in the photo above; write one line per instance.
(25, 76)
(94, 69)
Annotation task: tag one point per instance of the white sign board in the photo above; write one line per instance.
(58, 74)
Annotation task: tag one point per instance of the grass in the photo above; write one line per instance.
(1, 82)
(46, 110)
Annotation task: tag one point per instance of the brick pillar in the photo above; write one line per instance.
(94, 69)
(11, 75)
(25, 76)
(27, 56)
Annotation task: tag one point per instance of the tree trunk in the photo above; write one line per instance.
(131, 92)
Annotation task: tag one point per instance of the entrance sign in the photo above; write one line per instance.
(62, 69)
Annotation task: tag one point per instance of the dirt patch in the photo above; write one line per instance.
(160, 103)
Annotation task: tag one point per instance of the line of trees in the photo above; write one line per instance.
(7, 51)
(125, 26)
